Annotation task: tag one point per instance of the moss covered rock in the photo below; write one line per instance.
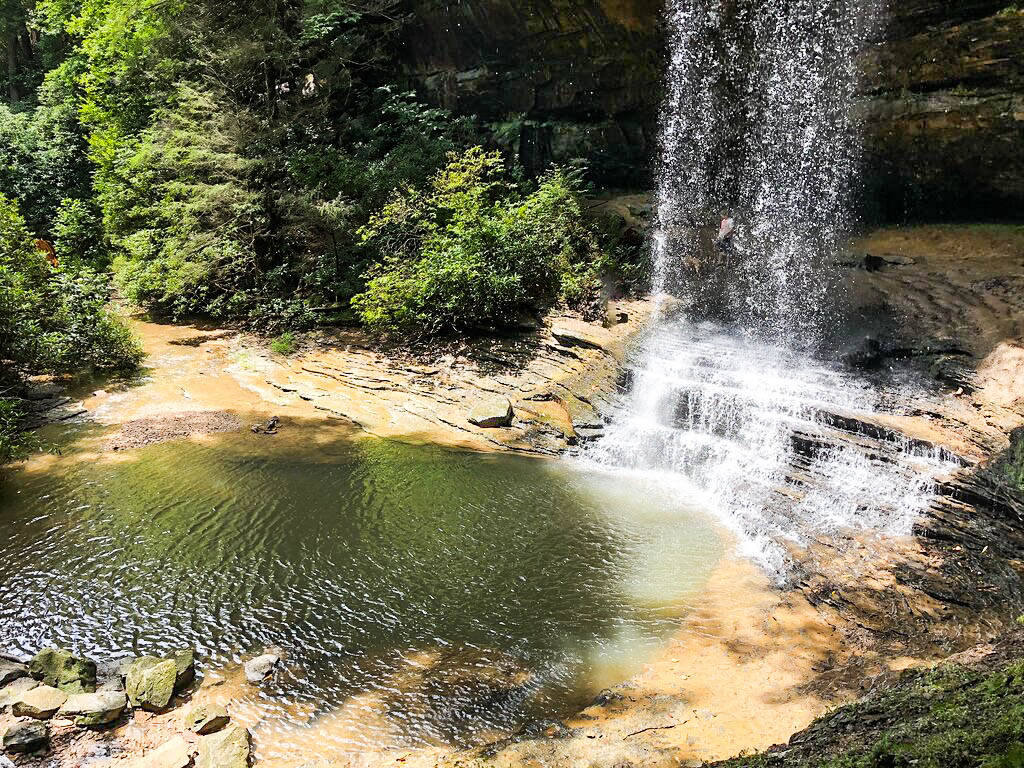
(94, 708)
(228, 748)
(206, 718)
(63, 670)
(150, 682)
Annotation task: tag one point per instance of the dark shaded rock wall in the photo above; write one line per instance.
(945, 113)
(557, 79)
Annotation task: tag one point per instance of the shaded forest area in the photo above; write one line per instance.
(224, 159)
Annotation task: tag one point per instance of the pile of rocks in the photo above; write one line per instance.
(56, 683)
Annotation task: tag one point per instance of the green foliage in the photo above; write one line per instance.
(14, 443)
(55, 320)
(78, 233)
(222, 159)
(283, 344)
(43, 154)
(471, 249)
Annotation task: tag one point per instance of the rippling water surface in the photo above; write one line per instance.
(421, 595)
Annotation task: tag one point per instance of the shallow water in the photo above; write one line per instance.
(423, 595)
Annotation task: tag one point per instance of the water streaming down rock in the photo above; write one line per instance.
(728, 396)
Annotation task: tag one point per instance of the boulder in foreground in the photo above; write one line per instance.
(225, 749)
(150, 681)
(41, 702)
(94, 708)
(26, 737)
(62, 669)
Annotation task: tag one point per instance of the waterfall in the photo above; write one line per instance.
(732, 399)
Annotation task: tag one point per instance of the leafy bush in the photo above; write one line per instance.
(78, 233)
(472, 249)
(55, 320)
(283, 344)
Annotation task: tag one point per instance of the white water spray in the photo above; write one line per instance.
(758, 119)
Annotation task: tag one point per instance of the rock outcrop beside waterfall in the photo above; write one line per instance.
(944, 93)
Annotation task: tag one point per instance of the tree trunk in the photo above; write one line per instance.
(27, 46)
(12, 68)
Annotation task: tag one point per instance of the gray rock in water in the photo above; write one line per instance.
(94, 708)
(41, 702)
(493, 412)
(10, 671)
(257, 670)
(110, 674)
(150, 683)
(225, 749)
(206, 718)
(12, 691)
(26, 737)
(62, 669)
(185, 664)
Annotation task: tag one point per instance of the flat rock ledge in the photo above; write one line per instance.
(561, 380)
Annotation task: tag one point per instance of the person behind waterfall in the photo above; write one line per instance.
(726, 232)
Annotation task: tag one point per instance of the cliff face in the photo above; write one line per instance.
(945, 113)
(557, 79)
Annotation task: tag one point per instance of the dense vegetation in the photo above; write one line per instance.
(260, 161)
(263, 163)
(52, 319)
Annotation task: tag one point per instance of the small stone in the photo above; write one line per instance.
(62, 669)
(175, 753)
(228, 748)
(492, 412)
(26, 737)
(150, 683)
(257, 670)
(576, 337)
(206, 718)
(185, 664)
(15, 689)
(10, 671)
(41, 702)
(94, 708)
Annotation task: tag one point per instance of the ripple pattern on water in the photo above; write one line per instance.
(429, 595)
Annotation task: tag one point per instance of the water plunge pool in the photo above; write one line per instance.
(419, 596)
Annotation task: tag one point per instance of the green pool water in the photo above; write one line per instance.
(465, 594)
